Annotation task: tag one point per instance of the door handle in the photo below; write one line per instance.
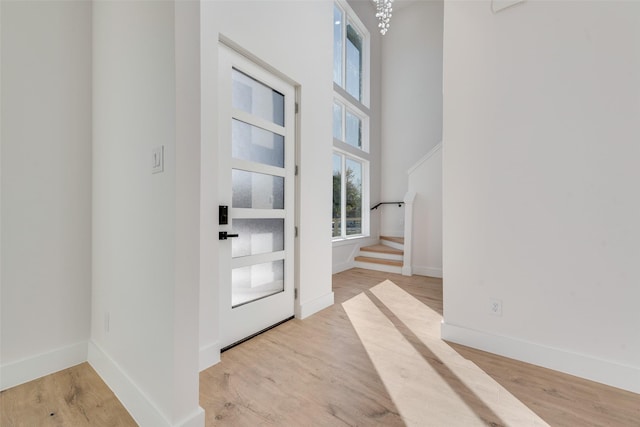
(223, 235)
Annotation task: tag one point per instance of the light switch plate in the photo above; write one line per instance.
(157, 159)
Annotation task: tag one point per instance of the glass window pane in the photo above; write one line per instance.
(353, 130)
(255, 144)
(253, 97)
(256, 281)
(257, 236)
(256, 190)
(337, 121)
(338, 24)
(354, 63)
(353, 177)
(337, 195)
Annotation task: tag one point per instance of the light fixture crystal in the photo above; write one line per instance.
(383, 13)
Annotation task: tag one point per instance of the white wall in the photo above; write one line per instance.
(541, 180)
(46, 187)
(145, 95)
(411, 99)
(295, 38)
(344, 251)
(425, 179)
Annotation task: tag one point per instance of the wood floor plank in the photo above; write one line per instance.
(72, 397)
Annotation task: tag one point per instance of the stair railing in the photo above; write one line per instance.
(388, 203)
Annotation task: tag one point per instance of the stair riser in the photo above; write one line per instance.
(380, 255)
(392, 244)
(379, 267)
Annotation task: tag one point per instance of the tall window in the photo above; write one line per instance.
(350, 124)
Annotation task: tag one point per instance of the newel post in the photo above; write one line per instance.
(408, 232)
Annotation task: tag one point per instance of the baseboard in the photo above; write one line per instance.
(407, 270)
(308, 308)
(602, 371)
(209, 355)
(31, 368)
(141, 408)
(343, 266)
(427, 271)
(194, 420)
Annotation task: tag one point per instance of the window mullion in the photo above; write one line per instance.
(343, 197)
(344, 123)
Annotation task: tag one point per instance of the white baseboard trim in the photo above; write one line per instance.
(344, 266)
(141, 408)
(31, 368)
(209, 355)
(431, 152)
(602, 371)
(310, 307)
(194, 420)
(427, 271)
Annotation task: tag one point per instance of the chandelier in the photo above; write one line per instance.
(383, 13)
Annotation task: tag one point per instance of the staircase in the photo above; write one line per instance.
(386, 256)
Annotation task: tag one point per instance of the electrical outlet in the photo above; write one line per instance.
(495, 306)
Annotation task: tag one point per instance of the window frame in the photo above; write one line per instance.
(364, 196)
(364, 122)
(350, 17)
(360, 109)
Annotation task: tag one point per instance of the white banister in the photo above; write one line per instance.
(408, 232)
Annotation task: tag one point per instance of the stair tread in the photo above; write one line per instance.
(383, 249)
(393, 239)
(379, 261)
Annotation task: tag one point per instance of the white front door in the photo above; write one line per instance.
(257, 168)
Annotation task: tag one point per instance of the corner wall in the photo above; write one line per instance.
(46, 187)
(425, 179)
(144, 335)
(411, 100)
(541, 200)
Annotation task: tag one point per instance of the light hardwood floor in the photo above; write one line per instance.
(373, 358)
(74, 397)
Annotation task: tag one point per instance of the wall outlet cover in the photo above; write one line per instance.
(495, 306)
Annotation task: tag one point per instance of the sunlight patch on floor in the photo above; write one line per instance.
(440, 388)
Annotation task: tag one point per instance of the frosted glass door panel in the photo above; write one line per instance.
(253, 97)
(256, 282)
(255, 144)
(257, 190)
(257, 236)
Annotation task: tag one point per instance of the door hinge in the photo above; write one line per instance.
(296, 170)
(295, 293)
(295, 231)
(297, 108)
